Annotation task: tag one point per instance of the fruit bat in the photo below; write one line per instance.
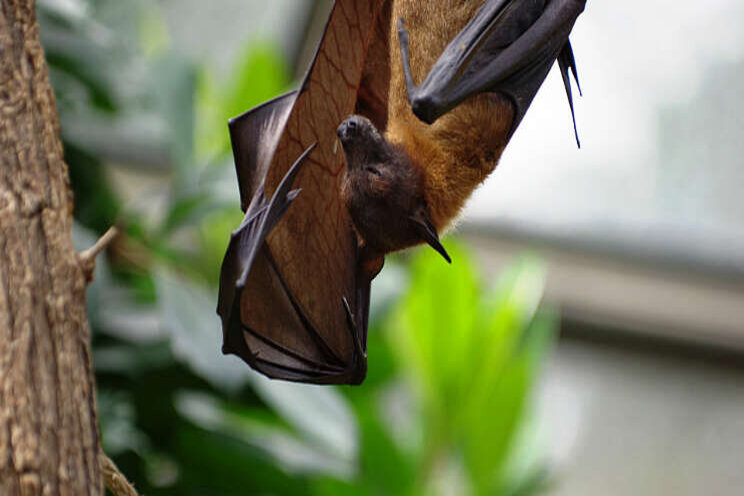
(319, 217)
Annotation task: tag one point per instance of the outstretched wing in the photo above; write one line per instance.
(293, 302)
(509, 47)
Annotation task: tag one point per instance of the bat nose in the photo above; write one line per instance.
(347, 128)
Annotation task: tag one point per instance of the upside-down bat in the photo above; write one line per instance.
(295, 282)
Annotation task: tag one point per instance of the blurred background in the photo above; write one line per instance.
(589, 339)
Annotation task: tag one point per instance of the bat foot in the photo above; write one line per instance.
(357, 369)
(351, 321)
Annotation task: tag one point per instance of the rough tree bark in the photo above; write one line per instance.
(49, 440)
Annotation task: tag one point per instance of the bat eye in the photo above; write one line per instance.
(374, 171)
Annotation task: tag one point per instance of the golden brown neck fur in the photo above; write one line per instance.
(462, 148)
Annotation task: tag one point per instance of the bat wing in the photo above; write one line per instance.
(508, 47)
(293, 301)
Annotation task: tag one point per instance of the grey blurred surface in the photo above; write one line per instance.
(695, 299)
(645, 391)
(632, 422)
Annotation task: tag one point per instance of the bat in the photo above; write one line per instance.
(445, 136)
(319, 218)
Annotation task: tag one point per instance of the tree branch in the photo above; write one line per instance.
(87, 258)
(114, 480)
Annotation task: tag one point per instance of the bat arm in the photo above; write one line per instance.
(261, 217)
(245, 243)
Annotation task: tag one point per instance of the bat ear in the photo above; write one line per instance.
(422, 223)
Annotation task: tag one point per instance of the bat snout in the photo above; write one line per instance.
(348, 129)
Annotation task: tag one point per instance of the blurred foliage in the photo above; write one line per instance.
(444, 407)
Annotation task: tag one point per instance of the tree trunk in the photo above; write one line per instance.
(48, 432)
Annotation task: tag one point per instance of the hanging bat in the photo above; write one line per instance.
(295, 282)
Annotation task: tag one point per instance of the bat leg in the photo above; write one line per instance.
(358, 367)
(508, 47)
(353, 328)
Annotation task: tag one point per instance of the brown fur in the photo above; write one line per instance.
(458, 151)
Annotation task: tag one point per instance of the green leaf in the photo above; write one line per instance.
(173, 85)
(293, 453)
(431, 328)
(319, 413)
(260, 74)
(153, 32)
(118, 427)
(471, 360)
(187, 312)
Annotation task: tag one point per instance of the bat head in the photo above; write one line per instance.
(375, 170)
(363, 144)
(383, 191)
